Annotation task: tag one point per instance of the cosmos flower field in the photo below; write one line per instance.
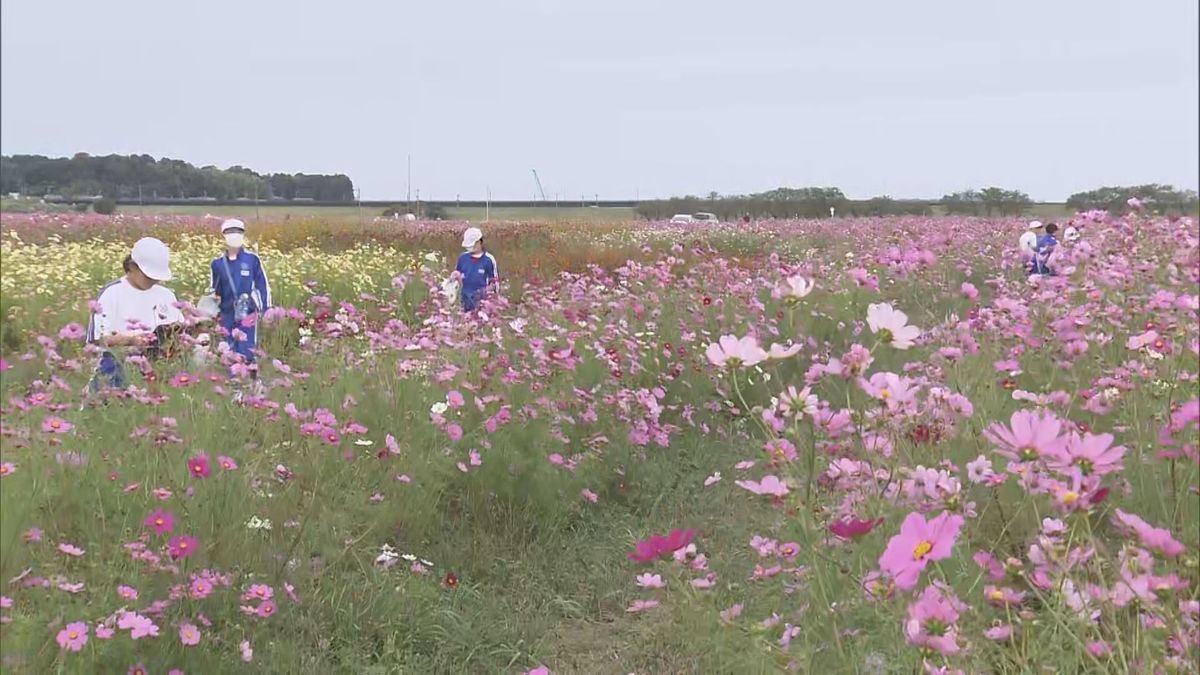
(843, 445)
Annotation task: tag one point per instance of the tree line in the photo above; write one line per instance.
(142, 176)
(816, 202)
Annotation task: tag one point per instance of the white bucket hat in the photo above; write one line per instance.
(232, 224)
(471, 237)
(153, 258)
(1034, 225)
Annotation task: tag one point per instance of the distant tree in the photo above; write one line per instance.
(967, 202)
(1156, 198)
(105, 206)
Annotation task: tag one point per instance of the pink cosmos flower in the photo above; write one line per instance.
(891, 325)
(733, 351)
(70, 549)
(641, 606)
(189, 635)
(258, 592)
(137, 625)
(73, 637)
(1031, 435)
(932, 621)
(104, 632)
(769, 485)
(183, 380)
(199, 467)
(919, 542)
(127, 593)
(72, 331)
(969, 291)
(455, 432)
(648, 580)
(589, 495)
(247, 651)
(201, 588)
(226, 463)
(6, 469)
(1091, 454)
(137, 669)
(161, 522)
(657, 545)
(455, 399)
(979, 470)
(265, 610)
(780, 352)
(999, 633)
(1154, 538)
(182, 546)
(713, 479)
(56, 425)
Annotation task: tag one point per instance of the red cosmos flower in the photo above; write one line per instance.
(853, 528)
(707, 301)
(451, 580)
(657, 545)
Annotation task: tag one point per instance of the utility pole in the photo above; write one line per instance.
(408, 195)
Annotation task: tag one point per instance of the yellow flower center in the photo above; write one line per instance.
(996, 594)
(1070, 497)
(885, 394)
(183, 545)
(55, 424)
(3, 469)
(74, 635)
(158, 521)
(922, 549)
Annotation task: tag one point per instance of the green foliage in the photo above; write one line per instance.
(988, 201)
(105, 206)
(1163, 199)
(134, 176)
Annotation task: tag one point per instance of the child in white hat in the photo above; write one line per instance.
(239, 281)
(477, 268)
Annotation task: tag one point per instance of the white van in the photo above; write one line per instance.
(682, 218)
(706, 218)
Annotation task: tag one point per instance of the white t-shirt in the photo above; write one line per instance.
(124, 309)
(1028, 242)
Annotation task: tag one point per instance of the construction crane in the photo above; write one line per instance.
(539, 185)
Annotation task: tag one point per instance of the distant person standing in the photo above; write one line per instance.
(477, 268)
(1027, 245)
(239, 281)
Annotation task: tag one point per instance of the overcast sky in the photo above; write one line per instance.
(619, 98)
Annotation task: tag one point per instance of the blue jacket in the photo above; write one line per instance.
(1041, 258)
(247, 275)
(477, 273)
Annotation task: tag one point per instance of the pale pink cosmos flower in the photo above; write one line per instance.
(732, 351)
(793, 288)
(247, 651)
(713, 479)
(73, 637)
(780, 352)
(540, 670)
(1030, 436)
(589, 495)
(70, 549)
(933, 621)
(1090, 454)
(1155, 538)
(638, 606)
(891, 325)
(189, 635)
(127, 593)
(919, 542)
(649, 580)
(769, 485)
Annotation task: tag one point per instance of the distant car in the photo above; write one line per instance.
(682, 218)
(706, 218)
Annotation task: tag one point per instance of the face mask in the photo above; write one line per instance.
(234, 239)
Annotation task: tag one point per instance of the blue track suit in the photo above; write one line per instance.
(477, 275)
(1041, 258)
(232, 278)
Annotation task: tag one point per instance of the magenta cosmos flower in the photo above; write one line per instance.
(199, 467)
(853, 528)
(189, 635)
(161, 522)
(891, 325)
(733, 351)
(1030, 436)
(182, 546)
(919, 542)
(657, 545)
(73, 637)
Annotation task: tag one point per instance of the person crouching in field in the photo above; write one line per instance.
(239, 282)
(1045, 249)
(1027, 245)
(477, 268)
(131, 313)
